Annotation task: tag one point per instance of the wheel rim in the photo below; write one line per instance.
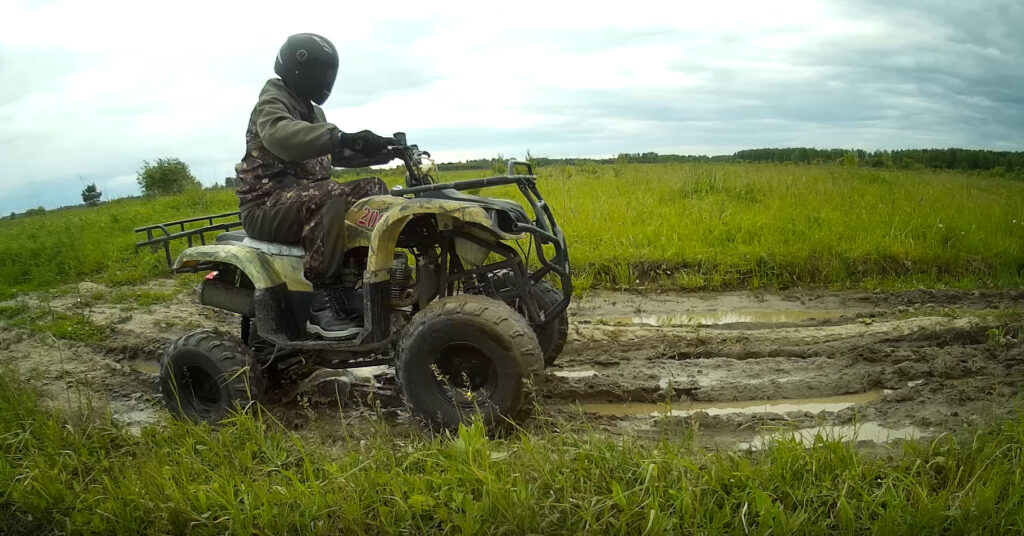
(201, 390)
(466, 374)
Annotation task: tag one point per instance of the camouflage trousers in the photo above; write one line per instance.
(311, 214)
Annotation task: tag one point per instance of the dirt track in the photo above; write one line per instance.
(735, 366)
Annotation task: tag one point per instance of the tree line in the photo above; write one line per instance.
(951, 158)
(999, 162)
(171, 175)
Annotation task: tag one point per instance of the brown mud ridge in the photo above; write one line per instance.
(735, 367)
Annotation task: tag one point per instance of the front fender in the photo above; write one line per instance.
(263, 270)
(449, 215)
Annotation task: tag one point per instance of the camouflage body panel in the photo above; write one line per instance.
(373, 222)
(263, 269)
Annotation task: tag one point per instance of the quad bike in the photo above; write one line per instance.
(453, 290)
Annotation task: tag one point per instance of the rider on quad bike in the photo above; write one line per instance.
(285, 194)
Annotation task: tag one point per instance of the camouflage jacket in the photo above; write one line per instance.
(288, 143)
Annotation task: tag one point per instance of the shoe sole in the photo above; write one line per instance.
(346, 334)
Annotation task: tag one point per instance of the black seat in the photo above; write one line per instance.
(239, 238)
(231, 237)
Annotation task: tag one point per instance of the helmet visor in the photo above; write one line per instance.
(325, 84)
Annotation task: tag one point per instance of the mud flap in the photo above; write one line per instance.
(377, 312)
(281, 314)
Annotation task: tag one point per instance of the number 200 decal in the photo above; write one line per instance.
(369, 218)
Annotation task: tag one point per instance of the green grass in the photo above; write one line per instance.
(141, 298)
(42, 251)
(689, 226)
(78, 473)
(775, 226)
(73, 327)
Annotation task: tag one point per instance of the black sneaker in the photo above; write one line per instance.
(326, 319)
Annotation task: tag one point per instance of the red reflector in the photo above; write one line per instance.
(211, 275)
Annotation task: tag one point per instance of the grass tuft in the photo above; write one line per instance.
(141, 298)
(73, 327)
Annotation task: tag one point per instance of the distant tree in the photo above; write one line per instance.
(166, 176)
(498, 164)
(91, 195)
(35, 211)
(230, 182)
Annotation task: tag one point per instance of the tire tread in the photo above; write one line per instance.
(495, 313)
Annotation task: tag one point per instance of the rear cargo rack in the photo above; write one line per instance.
(181, 230)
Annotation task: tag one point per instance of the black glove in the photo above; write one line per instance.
(365, 142)
(351, 159)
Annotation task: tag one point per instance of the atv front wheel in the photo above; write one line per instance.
(553, 335)
(469, 355)
(205, 374)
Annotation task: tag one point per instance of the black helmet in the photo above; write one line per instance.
(308, 64)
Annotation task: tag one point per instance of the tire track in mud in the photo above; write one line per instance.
(934, 369)
(936, 373)
(769, 363)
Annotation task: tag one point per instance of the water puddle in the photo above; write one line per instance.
(710, 318)
(682, 409)
(146, 367)
(575, 373)
(867, 431)
(370, 374)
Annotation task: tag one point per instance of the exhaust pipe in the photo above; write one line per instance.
(227, 297)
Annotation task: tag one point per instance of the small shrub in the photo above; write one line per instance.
(166, 176)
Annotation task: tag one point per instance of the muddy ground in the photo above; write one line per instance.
(733, 367)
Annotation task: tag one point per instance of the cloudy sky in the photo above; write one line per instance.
(90, 89)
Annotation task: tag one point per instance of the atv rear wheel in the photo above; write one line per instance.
(469, 355)
(205, 374)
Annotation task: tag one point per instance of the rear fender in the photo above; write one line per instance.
(265, 271)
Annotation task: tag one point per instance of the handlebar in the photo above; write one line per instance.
(412, 157)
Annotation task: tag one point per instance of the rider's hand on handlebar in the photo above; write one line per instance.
(365, 142)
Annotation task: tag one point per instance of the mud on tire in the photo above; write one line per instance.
(469, 355)
(204, 374)
(552, 337)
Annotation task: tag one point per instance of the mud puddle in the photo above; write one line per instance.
(146, 367)
(866, 431)
(785, 360)
(575, 373)
(715, 318)
(750, 407)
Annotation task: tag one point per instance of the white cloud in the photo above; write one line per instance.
(90, 89)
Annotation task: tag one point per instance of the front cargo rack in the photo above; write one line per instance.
(180, 230)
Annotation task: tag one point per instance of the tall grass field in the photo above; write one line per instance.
(689, 226)
(78, 473)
